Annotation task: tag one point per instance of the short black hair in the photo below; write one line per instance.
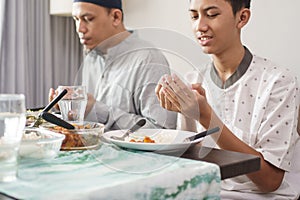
(237, 5)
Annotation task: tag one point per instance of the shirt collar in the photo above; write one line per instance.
(117, 49)
(240, 71)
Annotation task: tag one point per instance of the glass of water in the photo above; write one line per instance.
(73, 104)
(12, 123)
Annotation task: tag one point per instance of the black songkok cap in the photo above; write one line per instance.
(104, 3)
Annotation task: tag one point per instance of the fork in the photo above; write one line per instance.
(134, 128)
(202, 134)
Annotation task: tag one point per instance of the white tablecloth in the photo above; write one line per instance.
(111, 173)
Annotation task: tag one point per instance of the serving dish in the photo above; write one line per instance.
(40, 144)
(86, 135)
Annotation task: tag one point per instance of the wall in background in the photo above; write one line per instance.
(61, 7)
(273, 31)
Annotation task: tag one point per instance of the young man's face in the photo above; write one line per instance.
(214, 25)
(93, 24)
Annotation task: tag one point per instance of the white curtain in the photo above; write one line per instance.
(2, 6)
(38, 51)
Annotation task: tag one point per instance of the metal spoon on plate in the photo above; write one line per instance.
(134, 128)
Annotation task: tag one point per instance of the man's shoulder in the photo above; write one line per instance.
(140, 48)
(266, 66)
(136, 41)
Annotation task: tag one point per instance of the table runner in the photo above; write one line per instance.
(113, 173)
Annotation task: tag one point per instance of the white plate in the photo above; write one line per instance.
(166, 140)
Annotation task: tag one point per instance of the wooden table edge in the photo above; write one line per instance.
(231, 163)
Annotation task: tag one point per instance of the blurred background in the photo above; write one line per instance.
(40, 48)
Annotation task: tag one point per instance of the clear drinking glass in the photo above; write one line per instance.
(73, 104)
(12, 124)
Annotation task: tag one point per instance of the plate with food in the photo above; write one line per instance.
(160, 140)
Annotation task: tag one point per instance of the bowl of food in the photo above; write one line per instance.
(86, 135)
(40, 144)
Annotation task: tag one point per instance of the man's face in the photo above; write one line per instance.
(93, 23)
(214, 25)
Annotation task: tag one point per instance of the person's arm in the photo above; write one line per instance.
(135, 99)
(51, 95)
(149, 109)
(268, 178)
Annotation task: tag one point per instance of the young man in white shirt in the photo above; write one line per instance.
(252, 100)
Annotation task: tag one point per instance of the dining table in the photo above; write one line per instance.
(111, 172)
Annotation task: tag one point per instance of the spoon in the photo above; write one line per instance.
(39, 121)
(49, 117)
(134, 128)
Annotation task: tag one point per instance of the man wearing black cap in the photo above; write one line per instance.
(97, 20)
(120, 70)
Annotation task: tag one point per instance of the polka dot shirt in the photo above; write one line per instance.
(260, 107)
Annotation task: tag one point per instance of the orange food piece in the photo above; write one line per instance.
(145, 140)
(148, 140)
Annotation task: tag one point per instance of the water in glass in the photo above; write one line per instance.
(12, 123)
